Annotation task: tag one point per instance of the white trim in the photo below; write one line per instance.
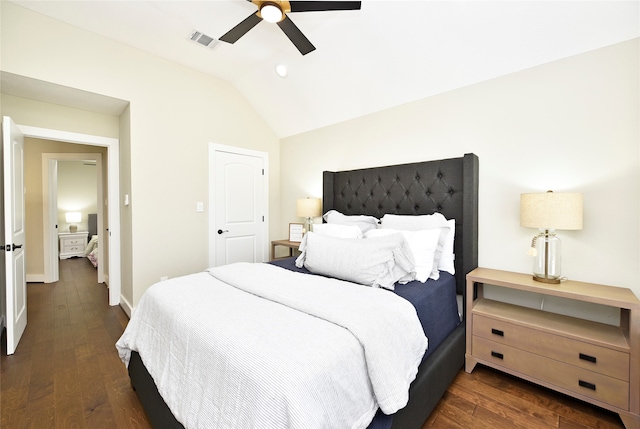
(49, 161)
(34, 278)
(126, 306)
(113, 198)
(216, 147)
(49, 189)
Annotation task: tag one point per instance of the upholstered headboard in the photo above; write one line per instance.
(92, 224)
(448, 186)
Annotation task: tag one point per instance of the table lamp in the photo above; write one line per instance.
(72, 218)
(308, 208)
(549, 211)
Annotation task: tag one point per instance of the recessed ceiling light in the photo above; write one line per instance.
(281, 70)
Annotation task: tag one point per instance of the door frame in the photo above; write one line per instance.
(113, 194)
(50, 212)
(213, 149)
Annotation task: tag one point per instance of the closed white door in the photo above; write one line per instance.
(14, 233)
(237, 229)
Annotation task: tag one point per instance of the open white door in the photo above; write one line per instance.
(238, 204)
(14, 233)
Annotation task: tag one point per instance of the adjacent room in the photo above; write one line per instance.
(186, 149)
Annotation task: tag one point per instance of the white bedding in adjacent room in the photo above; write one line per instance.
(91, 251)
(278, 349)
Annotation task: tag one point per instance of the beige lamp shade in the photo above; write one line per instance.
(551, 210)
(308, 207)
(73, 217)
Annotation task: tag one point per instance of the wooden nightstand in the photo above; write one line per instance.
(72, 243)
(595, 362)
(286, 243)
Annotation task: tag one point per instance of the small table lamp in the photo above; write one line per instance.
(308, 208)
(549, 211)
(72, 218)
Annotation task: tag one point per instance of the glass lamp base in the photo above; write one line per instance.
(546, 264)
(547, 280)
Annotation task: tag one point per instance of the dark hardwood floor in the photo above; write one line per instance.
(66, 373)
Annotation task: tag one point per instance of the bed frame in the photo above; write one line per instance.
(448, 186)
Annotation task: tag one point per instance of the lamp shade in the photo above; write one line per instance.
(73, 217)
(551, 210)
(308, 207)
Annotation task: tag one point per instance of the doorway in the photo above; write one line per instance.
(238, 205)
(83, 169)
(111, 237)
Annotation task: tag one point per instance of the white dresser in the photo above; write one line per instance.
(72, 243)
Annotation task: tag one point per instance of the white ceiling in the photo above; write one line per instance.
(386, 54)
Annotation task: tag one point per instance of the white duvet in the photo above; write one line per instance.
(258, 346)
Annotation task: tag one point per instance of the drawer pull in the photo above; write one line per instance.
(497, 332)
(500, 356)
(587, 385)
(588, 358)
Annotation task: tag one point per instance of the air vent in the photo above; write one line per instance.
(204, 40)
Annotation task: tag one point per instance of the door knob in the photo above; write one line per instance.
(16, 246)
(222, 232)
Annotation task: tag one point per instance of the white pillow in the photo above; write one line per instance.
(365, 223)
(423, 245)
(444, 254)
(377, 262)
(337, 230)
(447, 259)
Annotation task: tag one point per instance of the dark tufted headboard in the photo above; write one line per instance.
(448, 186)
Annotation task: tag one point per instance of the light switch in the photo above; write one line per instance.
(200, 207)
(126, 199)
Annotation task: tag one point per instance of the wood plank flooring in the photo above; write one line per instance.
(66, 374)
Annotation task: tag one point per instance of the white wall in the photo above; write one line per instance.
(571, 125)
(174, 112)
(77, 191)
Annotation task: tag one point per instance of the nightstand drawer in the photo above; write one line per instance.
(595, 358)
(578, 380)
(72, 249)
(72, 242)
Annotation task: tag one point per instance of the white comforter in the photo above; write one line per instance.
(277, 349)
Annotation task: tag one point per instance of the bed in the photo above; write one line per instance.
(449, 187)
(92, 249)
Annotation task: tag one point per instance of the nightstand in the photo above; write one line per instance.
(292, 245)
(592, 361)
(72, 243)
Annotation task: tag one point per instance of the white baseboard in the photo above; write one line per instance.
(35, 278)
(126, 306)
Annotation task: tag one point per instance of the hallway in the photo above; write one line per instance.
(66, 372)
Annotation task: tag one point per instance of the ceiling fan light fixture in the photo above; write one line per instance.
(271, 12)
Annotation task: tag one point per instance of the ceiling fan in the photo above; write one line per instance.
(276, 12)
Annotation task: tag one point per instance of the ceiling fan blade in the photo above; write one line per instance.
(319, 6)
(295, 35)
(241, 29)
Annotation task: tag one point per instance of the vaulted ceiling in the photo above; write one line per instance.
(386, 54)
